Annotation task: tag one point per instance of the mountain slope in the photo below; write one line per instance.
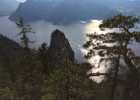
(68, 11)
(62, 11)
(9, 47)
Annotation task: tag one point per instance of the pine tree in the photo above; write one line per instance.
(25, 30)
(118, 51)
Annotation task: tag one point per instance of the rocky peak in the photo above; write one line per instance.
(58, 40)
(60, 48)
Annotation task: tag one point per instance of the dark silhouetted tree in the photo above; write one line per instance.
(24, 32)
(118, 51)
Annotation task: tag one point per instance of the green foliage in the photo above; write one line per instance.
(118, 50)
(120, 21)
(69, 82)
(28, 78)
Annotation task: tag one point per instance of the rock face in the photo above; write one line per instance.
(60, 49)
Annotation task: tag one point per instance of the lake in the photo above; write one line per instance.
(76, 33)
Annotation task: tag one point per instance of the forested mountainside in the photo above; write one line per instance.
(42, 74)
(50, 73)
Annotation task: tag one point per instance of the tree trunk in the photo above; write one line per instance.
(114, 85)
(132, 90)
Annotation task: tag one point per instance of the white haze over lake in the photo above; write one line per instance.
(76, 34)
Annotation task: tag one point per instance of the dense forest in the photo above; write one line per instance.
(52, 73)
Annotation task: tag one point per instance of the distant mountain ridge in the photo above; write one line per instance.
(69, 11)
(62, 11)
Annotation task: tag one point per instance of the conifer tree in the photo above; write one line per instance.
(118, 51)
(24, 32)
